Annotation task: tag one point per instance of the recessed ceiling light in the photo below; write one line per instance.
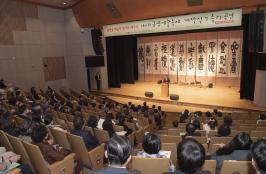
(64, 3)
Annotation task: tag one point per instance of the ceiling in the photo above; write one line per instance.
(54, 3)
(95, 13)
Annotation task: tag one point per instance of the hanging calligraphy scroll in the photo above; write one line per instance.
(191, 57)
(148, 58)
(222, 58)
(156, 54)
(164, 57)
(182, 62)
(201, 58)
(234, 57)
(212, 57)
(141, 58)
(172, 58)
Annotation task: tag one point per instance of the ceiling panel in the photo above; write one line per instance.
(54, 3)
(95, 13)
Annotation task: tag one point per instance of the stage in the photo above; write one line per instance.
(193, 97)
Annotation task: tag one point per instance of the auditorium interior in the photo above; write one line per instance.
(143, 86)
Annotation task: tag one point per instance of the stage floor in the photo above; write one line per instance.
(224, 98)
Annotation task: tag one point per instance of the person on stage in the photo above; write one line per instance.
(166, 79)
(98, 80)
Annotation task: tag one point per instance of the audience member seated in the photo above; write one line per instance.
(118, 153)
(196, 124)
(25, 131)
(90, 141)
(92, 122)
(208, 114)
(190, 130)
(224, 131)
(9, 160)
(258, 152)
(121, 122)
(238, 149)
(175, 124)
(51, 152)
(152, 149)
(157, 118)
(228, 120)
(191, 157)
(262, 118)
(108, 126)
(8, 125)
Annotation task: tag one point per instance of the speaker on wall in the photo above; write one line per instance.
(148, 94)
(96, 36)
(174, 97)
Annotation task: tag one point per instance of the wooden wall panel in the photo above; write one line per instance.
(13, 17)
(54, 68)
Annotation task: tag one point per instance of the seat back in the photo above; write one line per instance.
(101, 135)
(19, 149)
(170, 139)
(175, 132)
(96, 156)
(60, 138)
(89, 129)
(241, 167)
(78, 146)
(150, 165)
(258, 134)
(139, 135)
(209, 165)
(235, 132)
(218, 140)
(130, 125)
(202, 140)
(70, 125)
(173, 148)
(5, 142)
(37, 158)
(118, 128)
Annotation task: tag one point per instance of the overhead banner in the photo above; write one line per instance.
(217, 19)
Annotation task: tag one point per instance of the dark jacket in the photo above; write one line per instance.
(180, 172)
(112, 170)
(239, 155)
(90, 141)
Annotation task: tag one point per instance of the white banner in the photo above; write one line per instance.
(182, 62)
(164, 57)
(148, 58)
(222, 58)
(217, 19)
(172, 58)
(201, 57)
(156, 58)
(191, 57)
(141, 58)
(212, 46)
(234, 57)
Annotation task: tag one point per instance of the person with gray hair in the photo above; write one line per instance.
(118, 152)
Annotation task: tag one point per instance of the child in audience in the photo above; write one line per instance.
(228, 120)
(258, 152)
(108, 126)
(152, 149)
(238, 149)
(191, 157)
(224, 131)
(175, 124)
(196, 124)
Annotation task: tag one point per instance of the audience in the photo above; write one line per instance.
(258, 152)
(118, 153)
(152, 149)
(237, 149)
(175, 124)
(224, 131)
(108, 126)
(93, 123)
(196, 124)
(90, 141)
(191, 130)
(191, 157)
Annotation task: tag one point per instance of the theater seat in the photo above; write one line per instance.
(241, 167)
(150, 165)
(42, 167)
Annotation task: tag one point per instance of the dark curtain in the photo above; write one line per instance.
(250, 56)
(121, 60)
